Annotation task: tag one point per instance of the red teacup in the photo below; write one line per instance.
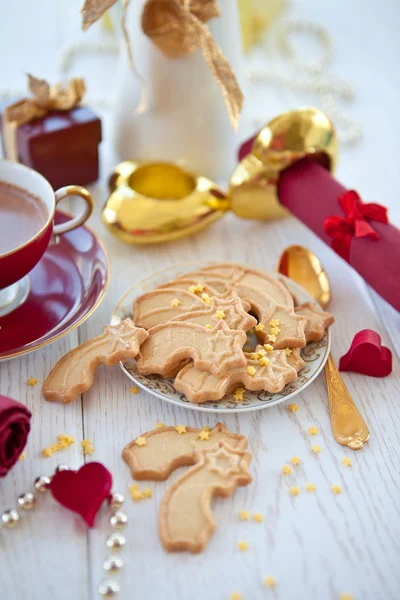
(17, 263)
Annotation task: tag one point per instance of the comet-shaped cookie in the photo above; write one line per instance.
(283, 329)
(318, 321)
(74, 372)
(185, 521)
(216, 350)
(155, 454)
(231, 311)
(161, 305)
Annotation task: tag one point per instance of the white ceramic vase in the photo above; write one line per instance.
(187, 122)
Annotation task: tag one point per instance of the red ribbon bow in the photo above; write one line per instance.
(354, 224)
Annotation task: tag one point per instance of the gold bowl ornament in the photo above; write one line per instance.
(157, 202)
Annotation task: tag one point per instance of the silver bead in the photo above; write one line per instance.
(60, 468)
(42, 483)
(117, 500)
(27, 501)
(10, 518)
(113, 564)
(118, 520)
(109, 588)
(115, 541)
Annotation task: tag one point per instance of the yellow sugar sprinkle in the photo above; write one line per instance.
(238, 395)
(274, 322)
(286, 469)
(268, 347)
(275, 330)
(269, 582)
(336, 489)
(160, 425)
(61, 445)
(133, 488)
(294, 490)
(47, 452)
(180, 429)
(32, 381)
(347, 461)
(199, 287)
(62, 437)
(251, 371)
(22, 456)
(254, 356)
(235, 596)
(272, 337)
(264, 361)
(316, 449)
(147, 493)
(192, 289)
(262, 351)
(70, 440)
(86, 443)
(220, 314)
(136, 495)
(244, 515)
(313, 430)
(141, 441)
(258, 517)
(288, 351)
(243, 546)
(310, 487)
(175, 302)
(295, 460)
(208, 326)
(346, 597)
(259, 327)
(293, 408)
(55, 447)
(89, 449)
(203, 435)
(134, 389)
(206, 298)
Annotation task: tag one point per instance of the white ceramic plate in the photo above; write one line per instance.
(315, 354)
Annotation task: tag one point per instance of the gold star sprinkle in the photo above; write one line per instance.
(238, 395)
(199, 288)
(264, 361)
(206, 298)
(310, 487)
(336, 489)
(316, 449)
(61, 445)
(192, 289)
(236, 596)
(22, 456)
(47, 452)
(251, 371)
(293, 408)
(134, 389)
(270, 582)
(286, 469)
(175, 302)
(89, 449)
(243, 546)
(259, 327)
(295, 460)
(180, 429)
(141, 441)
(136, 495)
(244, 515)
(258, 517)
(147, 493)
(220, 314)
(347, 461)
(254, 356)
(272, 337)
(268, 347)
(203, 435)
(346, 597)
(294, 490)
(288, 351)
(275, 330)
(32, 381)
(313, 430)
(274, 322)
(160, 425)
(208, 326)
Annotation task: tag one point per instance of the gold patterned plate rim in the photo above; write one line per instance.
(315, 354)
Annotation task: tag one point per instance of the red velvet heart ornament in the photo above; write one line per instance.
(367, 355)
(83, 491)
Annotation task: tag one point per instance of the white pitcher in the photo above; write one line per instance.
(187, 122)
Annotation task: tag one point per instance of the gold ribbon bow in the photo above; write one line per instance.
(178, 27)
(45, 99)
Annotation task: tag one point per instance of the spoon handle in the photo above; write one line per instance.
(348, 426)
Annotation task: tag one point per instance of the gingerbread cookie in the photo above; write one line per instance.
(216, 350)
(318, 320)
(268, 371)
(74, 373)
(155, 454)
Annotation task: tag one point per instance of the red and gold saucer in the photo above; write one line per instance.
(66, 286)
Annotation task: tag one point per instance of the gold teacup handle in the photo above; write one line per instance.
(348, 426)
(73, 190)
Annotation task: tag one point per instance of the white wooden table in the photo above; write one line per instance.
(317, 546)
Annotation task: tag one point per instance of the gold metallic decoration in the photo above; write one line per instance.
(118, 519)
(156, 202)
(348, 426)
(116, 500)
(10, 518)
(178, 28)
(255, 17)
(26, 501)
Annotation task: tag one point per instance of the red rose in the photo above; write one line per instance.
(14, 429)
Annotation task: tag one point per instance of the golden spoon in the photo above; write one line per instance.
(348, 426)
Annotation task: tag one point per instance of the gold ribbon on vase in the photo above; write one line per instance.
(178, 27)
(45, 99)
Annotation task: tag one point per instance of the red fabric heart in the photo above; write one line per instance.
(367, 355)
(83, 491)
